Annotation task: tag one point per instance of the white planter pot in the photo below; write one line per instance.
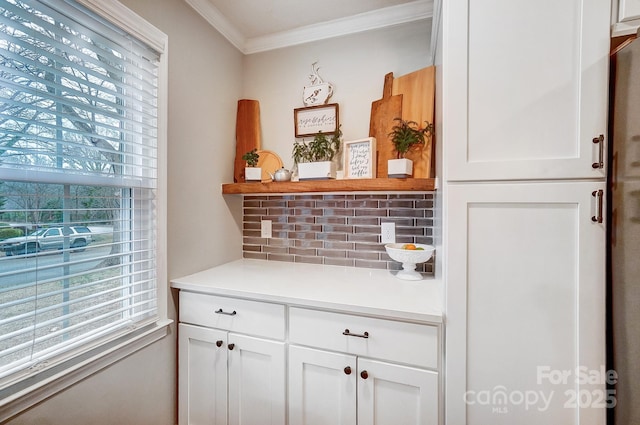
(400, 168)
(316, 170)
(253, 174)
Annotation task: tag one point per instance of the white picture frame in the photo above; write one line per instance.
(360, 158)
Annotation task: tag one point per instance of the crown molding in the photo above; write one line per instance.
(388, 16)
(217, 20)
(385, 17)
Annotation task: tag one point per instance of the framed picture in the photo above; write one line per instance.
(312, 120)
(360, 159)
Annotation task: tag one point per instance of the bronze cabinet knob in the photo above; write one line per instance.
(347, 370)
(364, 374)
(231, 346)
(219, 343)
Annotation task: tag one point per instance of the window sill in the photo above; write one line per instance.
(21, 395)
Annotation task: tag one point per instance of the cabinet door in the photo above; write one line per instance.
(322, 387)
(524, 88)
(628, 10)
(256, 381)
(202, 375)
(395, 394)
(525, 304)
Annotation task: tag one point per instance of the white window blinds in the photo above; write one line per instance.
(78, 171)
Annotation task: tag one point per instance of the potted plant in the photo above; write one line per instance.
(406, 135)
(252, 172)
(314, 158)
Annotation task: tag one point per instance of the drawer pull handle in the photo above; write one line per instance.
(347, 370)
(364, 374)
(219, 343)
(231, 346)
(598, 195)
(220, 311)
(599, 141)
(347, 333)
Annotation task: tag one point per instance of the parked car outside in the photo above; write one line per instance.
(47, 239)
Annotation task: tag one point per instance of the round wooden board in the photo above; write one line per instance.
(269, 162)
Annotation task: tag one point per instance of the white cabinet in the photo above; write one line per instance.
(363, 382)
(394, 394)
(329, 388)
(226, 377)
(410, 343)
(202, 375)
(523, 95)
(322, 387)
(257, 376)
(628, 10)
(525, 304)
(525, 88)
(345, 368)
(625, 18)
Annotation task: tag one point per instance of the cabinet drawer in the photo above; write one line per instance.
(250, 317)
(403, 342)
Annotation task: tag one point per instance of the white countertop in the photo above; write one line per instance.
(349, 289)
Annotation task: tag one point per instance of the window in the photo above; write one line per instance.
(81, 185)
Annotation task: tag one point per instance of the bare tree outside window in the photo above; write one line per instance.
(77, 142)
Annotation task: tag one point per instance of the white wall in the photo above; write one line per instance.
(355, 65)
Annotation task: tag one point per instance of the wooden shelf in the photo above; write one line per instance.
(352, 185)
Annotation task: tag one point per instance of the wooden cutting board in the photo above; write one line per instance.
(247, 134)
(269, 162)
(418, 102)
(383, 112)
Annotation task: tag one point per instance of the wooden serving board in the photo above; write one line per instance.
(418, 103)
(247, 134)
(383, 112)
(269, 162)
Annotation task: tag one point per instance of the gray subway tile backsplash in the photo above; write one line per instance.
(336, 229)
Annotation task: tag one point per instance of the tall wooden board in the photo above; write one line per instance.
(383, 112)
(247, 134)
(418, 103)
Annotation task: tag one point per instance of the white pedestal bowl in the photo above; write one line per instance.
(409, 258)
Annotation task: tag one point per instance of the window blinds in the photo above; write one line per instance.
(78, 152)
(78, 97)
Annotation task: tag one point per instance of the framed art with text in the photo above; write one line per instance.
(312, 120)
(360, 158)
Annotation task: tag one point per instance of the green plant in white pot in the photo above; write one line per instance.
(405, 136)
(252, 172)
(314, 159)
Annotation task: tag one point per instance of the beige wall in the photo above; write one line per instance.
(355, 65)
(207, 76)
